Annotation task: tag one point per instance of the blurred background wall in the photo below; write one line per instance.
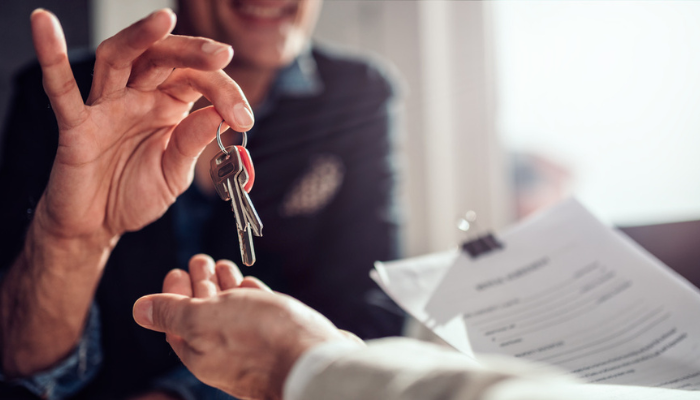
(16, 44)
(509, 106)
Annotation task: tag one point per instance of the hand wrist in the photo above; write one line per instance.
(287, 362)
(43, 221)
(57, 276)
(296, 353)
(76, 248)
(313, 362)
(41, 247)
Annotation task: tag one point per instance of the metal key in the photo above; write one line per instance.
(230, 176)
(251, 215)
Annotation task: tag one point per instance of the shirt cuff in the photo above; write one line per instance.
(74, 372)
(182, 383)
(312, 363)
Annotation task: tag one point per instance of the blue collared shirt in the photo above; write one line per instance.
(69, 376)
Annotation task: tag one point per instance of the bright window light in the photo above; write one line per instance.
(611, 92)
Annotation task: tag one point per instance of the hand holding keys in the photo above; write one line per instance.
(233, 175)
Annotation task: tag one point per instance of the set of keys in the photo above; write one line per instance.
(233, 175)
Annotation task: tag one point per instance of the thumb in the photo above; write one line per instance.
(161, 312)
(187, 142)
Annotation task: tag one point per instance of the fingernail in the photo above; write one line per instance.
(144, 312)
(39, 10)
(204, 262)
(170, 13)
(156, 12)
(173, 17)
(214, 48)
(243, 115)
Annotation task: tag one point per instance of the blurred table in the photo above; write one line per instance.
(675, 244)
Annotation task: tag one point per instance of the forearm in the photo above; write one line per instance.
(45, 298)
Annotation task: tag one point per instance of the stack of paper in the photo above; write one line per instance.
(565, 290)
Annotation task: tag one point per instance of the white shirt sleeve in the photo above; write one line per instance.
(312, 363)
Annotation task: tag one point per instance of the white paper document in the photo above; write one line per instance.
(565, 290)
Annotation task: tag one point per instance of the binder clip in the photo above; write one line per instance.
(481, 244)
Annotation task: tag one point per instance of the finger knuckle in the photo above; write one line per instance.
(54, 60)
(163, 317)
(102, 52)
(60, 89)
(105, 53)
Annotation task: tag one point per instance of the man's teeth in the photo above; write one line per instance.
(261, 12)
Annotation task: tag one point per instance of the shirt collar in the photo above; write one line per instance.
(300, 78)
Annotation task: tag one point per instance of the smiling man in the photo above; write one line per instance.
(118, 190)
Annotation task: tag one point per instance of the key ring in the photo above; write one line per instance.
(244, 142)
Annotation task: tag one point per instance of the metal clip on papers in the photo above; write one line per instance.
(481, 244)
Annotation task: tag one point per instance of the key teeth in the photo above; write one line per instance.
(247, 251)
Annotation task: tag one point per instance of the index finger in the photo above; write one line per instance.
(114, 56)
(179, 282)
(204, 281)
(188, 85)
(229, 275)
(59, 83)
